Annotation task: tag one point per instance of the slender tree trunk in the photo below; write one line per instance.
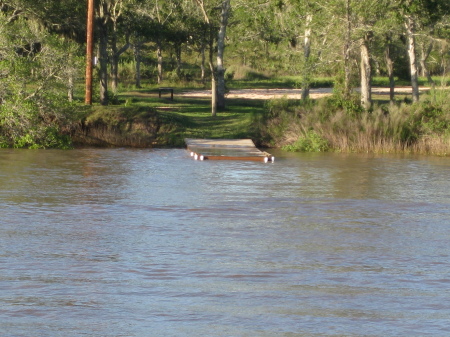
(103, 62)
(70, 80)
(425, 53)
(202, 65)
(377, 67)
(137, 58)
(220, 54)
(306, 53)
(115, 63)
(213, 96)
(347, 47)
(410, 31)
(443, 65)
(211, 64)
(390, 70)
(70, 88)
(114, 72)
(89, 51)
(366, 75)
(178, 58)
(160, 61)
(213, 75)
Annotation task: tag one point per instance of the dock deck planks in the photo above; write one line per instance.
(226, 149)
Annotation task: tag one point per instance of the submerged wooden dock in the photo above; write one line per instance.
(226, 149)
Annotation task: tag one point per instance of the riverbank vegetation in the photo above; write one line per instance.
(222, 45)
(330, 124)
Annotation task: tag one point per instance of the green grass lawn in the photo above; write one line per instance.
(186, 117)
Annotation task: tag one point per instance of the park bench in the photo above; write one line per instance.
(166, 89)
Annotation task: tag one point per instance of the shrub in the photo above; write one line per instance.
(309, 142)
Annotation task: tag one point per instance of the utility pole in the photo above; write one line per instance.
(89, 51)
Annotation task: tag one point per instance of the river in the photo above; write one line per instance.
(123, 242)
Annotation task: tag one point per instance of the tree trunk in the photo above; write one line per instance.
(70, 80)
(390, 70)
(410, 31)
(220, 51)
(70, 88)
(347, 47)
(160, 62)
(202, 65)
(137, 58)
(177, 48)
(103, 62)
(213, 96)
(366, 75)
(213, 76)
(423, 62)
(211, 64)
(114, 72)
(115, 63)
(307, 63)
(443, 66)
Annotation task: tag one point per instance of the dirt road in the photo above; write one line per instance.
(289, 93)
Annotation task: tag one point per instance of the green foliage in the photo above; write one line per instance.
(309, 142)
(113, 98)
(432, 117)
(280, 114)
(351, 105)
(34, 113)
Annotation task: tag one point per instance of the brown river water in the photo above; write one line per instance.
(120, 242)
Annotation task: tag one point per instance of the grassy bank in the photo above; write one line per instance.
(331, 124)
(328, 124)
(139, 118)
(142, 119)
(119, 125)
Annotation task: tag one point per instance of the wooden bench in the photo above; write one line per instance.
(161, 90)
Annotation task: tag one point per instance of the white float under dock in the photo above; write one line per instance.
(226, 149)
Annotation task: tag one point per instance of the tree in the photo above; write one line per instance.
(389, 65)
(224, 15)
(109, 16)
(307, 56)
(410, 27)
(416, 14)
(120, 28)
(217, 76)
(141, 32)
(367, 14)
(33, 66)
(103, 20)
(305, 16)
(160, 13)
(64, 19)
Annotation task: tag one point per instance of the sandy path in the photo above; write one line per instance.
(289, 93)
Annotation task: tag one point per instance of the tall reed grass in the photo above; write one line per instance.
(332, 125)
